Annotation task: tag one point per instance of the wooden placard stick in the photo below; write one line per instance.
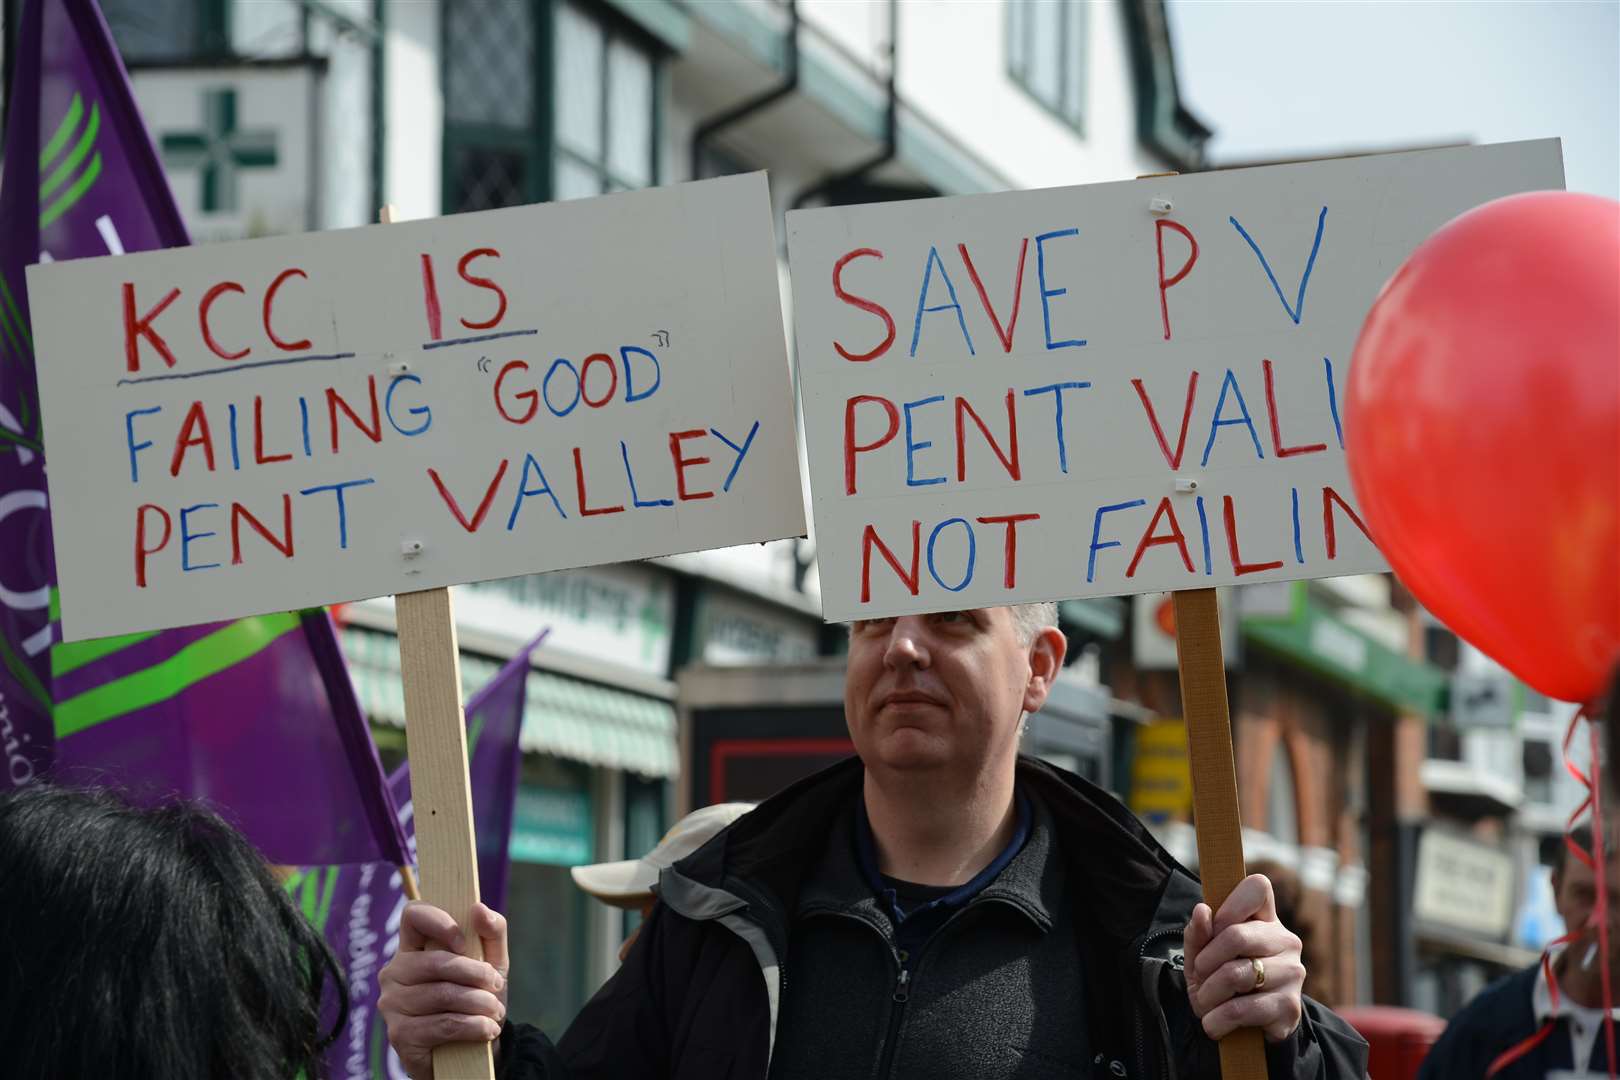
(1214, 777)
(441, 794)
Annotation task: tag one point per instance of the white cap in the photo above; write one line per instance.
(629, 883)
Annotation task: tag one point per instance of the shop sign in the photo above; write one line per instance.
(1464, 885)
(1483, 700)
(621, 614)
(1161, 777)
(734, 631)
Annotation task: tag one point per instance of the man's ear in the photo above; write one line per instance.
(1046, 655)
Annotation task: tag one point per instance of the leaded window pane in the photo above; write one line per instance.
(485, 177)
(489, 53)
(160, 30)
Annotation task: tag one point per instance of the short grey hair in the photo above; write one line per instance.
(1031, 619)
(1028, 619)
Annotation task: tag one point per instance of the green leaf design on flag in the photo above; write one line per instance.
(83, 154)
(71, 656)
(202, 658)
(24, 674)
(64, 132)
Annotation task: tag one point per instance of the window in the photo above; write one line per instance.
(606, 107)
(1445, 743)
(491, 129)
(1282, 803)
(1046, 53)
(1539, 764)
(544, 101)
(1441, 648)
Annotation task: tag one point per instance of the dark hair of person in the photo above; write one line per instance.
(1582, 835)
(150, 943)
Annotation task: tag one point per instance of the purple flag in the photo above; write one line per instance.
(494, 723)
(358, 907)
(258, 715)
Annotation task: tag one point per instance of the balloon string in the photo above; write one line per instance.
(1598, 863)
(1602, 877)
(1524, 1046)
(1519, 1049)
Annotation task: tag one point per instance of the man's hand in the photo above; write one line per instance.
(1221, 974)
(432, 995)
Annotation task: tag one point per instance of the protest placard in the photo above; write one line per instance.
(300, 420)
(1109, 389)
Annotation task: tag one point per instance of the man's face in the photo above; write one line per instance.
(1575, 895)
(945, 691)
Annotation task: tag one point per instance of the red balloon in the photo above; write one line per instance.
(1482, 429)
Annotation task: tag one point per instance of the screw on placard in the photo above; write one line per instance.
(1159, 207)
(410, 549)
(399, 367)
(1184, 484)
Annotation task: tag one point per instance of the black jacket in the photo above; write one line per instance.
(1499, 1018)
(699, 997)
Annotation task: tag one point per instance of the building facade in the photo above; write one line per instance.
(284, 116)
(1403, 793)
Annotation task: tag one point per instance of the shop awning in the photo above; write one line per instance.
(1317, 639)
(566, 717)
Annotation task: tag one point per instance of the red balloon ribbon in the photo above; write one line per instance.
(1600, 913)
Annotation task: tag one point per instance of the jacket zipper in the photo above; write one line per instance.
(901, 995)
(1141, 1038)
(902, 984)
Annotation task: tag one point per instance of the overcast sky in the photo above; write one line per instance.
(1307, 76)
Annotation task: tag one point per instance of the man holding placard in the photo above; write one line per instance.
(940, 907)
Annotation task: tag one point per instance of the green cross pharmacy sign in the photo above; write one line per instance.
(220, 151)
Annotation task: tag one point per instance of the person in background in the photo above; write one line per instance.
(629, 884)
(150, 943)
(939, 906)
(1524, 1025)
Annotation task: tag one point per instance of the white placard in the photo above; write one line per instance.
(270, 424)
(1055, 394)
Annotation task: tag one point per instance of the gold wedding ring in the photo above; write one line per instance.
(1259, 974)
